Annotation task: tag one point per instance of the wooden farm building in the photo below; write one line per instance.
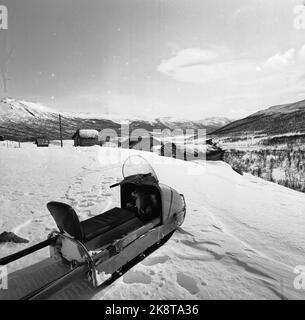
(42, 142)
(85, 138)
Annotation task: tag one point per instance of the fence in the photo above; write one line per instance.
(10, 144)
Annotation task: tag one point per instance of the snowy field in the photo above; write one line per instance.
(242, 237)
(254, 142)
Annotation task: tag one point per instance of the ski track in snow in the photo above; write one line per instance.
(89, 194)
(17, 229)
(204, 259)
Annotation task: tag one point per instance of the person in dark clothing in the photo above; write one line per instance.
(144, 204)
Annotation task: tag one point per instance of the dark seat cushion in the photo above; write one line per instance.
(116, 232)
(105, 222)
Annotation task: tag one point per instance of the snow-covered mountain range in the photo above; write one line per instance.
(24, 120)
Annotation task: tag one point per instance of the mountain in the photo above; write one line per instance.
(210, 124)
(281, 119)
(24, 121)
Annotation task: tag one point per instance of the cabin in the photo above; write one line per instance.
(85, 138)
(42, 142)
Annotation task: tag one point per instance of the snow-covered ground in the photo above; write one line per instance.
(241, 239)
(254, 142)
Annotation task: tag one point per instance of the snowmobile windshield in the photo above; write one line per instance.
(136, 164)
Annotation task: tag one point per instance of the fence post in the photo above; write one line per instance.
(60, 130)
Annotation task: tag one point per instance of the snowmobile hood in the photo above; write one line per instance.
(137, 171)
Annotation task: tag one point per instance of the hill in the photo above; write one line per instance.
(281, 119)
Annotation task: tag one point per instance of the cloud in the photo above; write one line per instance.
(301, 53)
(187, 58)
(265, 80)
(229, 84)
(202, 66)
(281, 60)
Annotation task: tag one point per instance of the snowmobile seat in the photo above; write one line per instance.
(107, 223)
(117, 232)
(118, 220)
(66, 219)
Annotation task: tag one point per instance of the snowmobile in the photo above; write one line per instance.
(107, 244)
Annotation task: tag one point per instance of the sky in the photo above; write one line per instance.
(155, 58)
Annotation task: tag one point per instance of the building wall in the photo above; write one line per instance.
(42, 142)
(87, 142)
(76, 141)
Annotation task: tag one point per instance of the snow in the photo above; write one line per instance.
(206, 121)
(88, 133)
(24, 109)
(253, 142)
(20, 109)
(107, 116)
(242, 237)
(216, 121)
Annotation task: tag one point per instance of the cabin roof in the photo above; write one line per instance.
(86, 133)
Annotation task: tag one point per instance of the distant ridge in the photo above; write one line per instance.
(281, 119)
(25, 121)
